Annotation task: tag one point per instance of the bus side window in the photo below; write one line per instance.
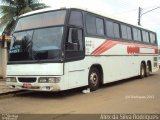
(76, 18)
(152, 38)
(74, 42)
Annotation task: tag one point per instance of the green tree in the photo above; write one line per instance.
(11, 9)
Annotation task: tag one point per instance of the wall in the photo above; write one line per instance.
(3, 61)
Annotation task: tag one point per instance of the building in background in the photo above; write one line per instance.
(3, 55)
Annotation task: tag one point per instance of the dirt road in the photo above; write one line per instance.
(129, 96)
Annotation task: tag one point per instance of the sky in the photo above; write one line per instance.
(124, 10)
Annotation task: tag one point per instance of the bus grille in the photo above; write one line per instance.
(28, 80)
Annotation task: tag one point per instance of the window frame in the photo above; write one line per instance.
(75, 10)
(73, 55)
(114, 31)
(153, 34)
(102, 21)
(70, 56)
(126, 34)
(115, 23)
(96, 17)
(146, 34)
(65, 20)
(139, 33)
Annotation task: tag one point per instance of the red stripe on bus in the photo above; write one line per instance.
(132, 48)
(104, 47)
(100, 47)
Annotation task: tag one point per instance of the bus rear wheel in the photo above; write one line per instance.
(93, 79)
(148, 70)
(142, 71)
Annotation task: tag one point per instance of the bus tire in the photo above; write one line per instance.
(93, 79)
(142, 71)
(148, 70)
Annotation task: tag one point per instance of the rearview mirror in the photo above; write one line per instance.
(74, 35)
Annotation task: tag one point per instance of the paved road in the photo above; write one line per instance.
(129, 96)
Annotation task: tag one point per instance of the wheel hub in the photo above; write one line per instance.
(94, 78)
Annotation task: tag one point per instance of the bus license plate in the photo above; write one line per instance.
(27, 85)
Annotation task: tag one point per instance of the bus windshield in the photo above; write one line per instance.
(39, 44)
(41, 20)
(38, 37)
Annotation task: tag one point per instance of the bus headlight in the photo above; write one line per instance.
(11, 79)
(43, 80)
(49, 80)
(54, 80)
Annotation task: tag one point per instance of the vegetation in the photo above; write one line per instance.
(11, 9)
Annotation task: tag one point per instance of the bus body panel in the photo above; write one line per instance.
(35, 69)
(35, 86)
(76, 73)
(119, 60)
(23, 73)
(96, 47)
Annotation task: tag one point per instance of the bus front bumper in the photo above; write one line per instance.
(34, 86)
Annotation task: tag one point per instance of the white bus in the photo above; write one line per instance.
(54, 50)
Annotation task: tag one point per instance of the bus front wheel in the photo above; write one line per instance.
(93, 79)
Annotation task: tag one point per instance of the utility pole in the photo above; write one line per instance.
(140, 13)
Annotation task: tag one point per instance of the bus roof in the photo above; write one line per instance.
(81, 8)
(104, 14)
